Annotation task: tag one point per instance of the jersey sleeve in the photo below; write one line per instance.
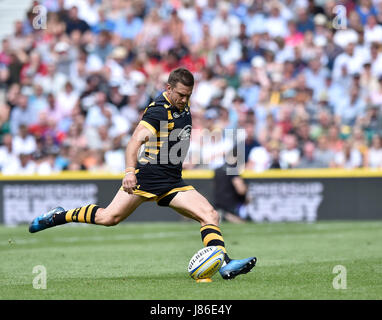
(152, 118)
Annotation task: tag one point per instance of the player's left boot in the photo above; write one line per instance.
(236, 267)
(44, 221)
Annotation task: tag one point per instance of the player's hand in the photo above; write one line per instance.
(129, 182)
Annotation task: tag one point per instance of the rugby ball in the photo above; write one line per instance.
(206, 262)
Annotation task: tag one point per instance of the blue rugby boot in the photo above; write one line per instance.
(236, 267)
(44, 221)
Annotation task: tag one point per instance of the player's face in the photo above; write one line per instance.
(179, 95)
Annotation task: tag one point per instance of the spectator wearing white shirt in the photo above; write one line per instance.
(88, 11)
(290, 154)
(101, 112)
(260, 158)
(194, 28)
(67, 99)
(373, 158)
(205, 89)
(115, 157)
(23, 165)
(7, 155)
(254, 21)
(215, 147)
(106, 114)
(187, 12)
(349, 157)
(375, 59)
(225, 24)
(372, 30)
(91, 62)
(53, 81)
(347, 63)
(229, 51)
(376, 94)
(45, 165)
(275, 24)
(115, 63)
(23, 142)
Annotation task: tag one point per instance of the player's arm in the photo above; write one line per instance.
(140, 136)
(147, 128)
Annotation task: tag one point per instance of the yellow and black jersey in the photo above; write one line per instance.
(162, 157)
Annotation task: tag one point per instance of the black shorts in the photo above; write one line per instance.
(158, 189)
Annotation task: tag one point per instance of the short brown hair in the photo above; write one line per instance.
(181, 75)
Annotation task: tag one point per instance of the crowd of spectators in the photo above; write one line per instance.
(302, 79)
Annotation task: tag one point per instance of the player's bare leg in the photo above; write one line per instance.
(119, 209)
(194, 205)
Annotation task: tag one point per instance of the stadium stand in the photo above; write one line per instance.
(303, 80)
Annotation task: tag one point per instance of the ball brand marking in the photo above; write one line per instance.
(206, 262)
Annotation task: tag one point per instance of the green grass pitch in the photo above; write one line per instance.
(148, 261)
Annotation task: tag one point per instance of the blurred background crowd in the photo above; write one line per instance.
(303, 81)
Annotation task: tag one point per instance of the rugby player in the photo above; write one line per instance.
(156, 174)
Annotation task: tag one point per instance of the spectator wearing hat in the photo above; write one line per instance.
(321, 29)
(275, 24)
(62, 57)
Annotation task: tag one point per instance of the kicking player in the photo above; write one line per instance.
(165, 131)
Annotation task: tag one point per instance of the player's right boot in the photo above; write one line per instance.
(44, 221)
(236, 267)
